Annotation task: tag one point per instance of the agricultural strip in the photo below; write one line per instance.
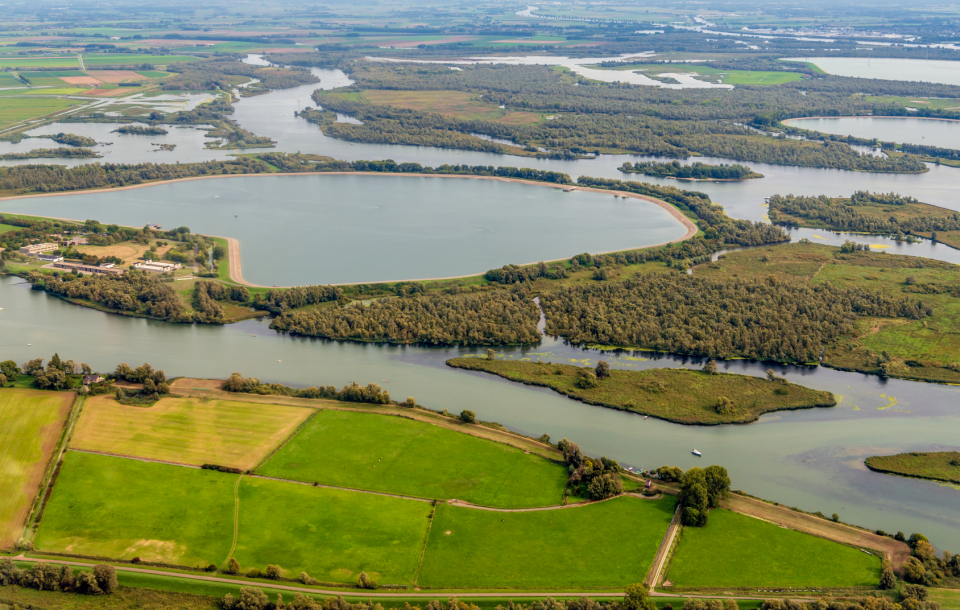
(16, 109)
(187, 430)
(608, 544)
(331, 534)
(30, 425)
(122, 508)
(681, 396)
(734, 550)
(403, 456)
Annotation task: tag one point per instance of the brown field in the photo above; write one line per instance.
(186, 430)
(459, 104)
(30, 425)
(80, 80)
(103, 92)
(126, 250)
(116, 76)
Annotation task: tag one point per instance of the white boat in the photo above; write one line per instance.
(696, 452)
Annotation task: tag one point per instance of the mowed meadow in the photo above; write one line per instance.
(609, 543)
(734, 550)
(403, 456)
(30, 425)
(187, 430)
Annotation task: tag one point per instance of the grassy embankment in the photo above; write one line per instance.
(403, 456)
(877, 213)
(187, 430)
(30, 425)
(938, 465)
(676, 395)
(918, 349)
(736, 551)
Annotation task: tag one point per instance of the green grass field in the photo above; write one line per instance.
(715, 75)
(402, 456)
(939, 466)
(16, 108)
(610, 544)
(949, 599)
(734, 550)
(30, 426)
(187, 430)
(331, 534)
(122, 508)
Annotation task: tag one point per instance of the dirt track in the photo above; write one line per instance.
(895, 552)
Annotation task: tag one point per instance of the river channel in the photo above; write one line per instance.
(811, 459)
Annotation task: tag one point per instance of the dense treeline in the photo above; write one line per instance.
(278, 301)
(847, 214)
(371, 393)
(143, 294)
(52, 153)
(53, 178)
(205, 296)
(49, 577)
(694, 171)
(472, 318)
(754, 318)
(141, 130)
(583, 133)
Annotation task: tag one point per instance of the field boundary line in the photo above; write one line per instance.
(283, 442)
(36, 511)
(134, 457)
(236, 522)
(369, 594)
(660, 559)
(426, 540)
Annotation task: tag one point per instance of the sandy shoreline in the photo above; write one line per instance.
(236, 268)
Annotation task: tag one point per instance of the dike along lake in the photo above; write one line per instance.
(810, 459)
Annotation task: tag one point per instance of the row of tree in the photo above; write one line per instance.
(102, 580)
(371, 393)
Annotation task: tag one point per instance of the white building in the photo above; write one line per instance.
(50, 258)
(156, 266)
(35, 249)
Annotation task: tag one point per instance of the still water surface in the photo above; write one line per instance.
(927, 132)
(331, 229)
(812, 459)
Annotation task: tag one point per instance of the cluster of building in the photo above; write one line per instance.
(45, 252)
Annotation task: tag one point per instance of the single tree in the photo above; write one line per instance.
(273, 572)
(233, 566)
(468, 417)
(602, 370)
(106, 576)
(710, 367)
(491, 354)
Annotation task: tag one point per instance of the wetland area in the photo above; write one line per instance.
(392, 228)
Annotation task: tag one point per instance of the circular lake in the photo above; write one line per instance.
(927, 132)
(312, 229)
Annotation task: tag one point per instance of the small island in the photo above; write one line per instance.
(71, 139)
(140, 130)
(52, 153)
(872, 213)
(936, 466)
(695, 171)
(677, 395)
